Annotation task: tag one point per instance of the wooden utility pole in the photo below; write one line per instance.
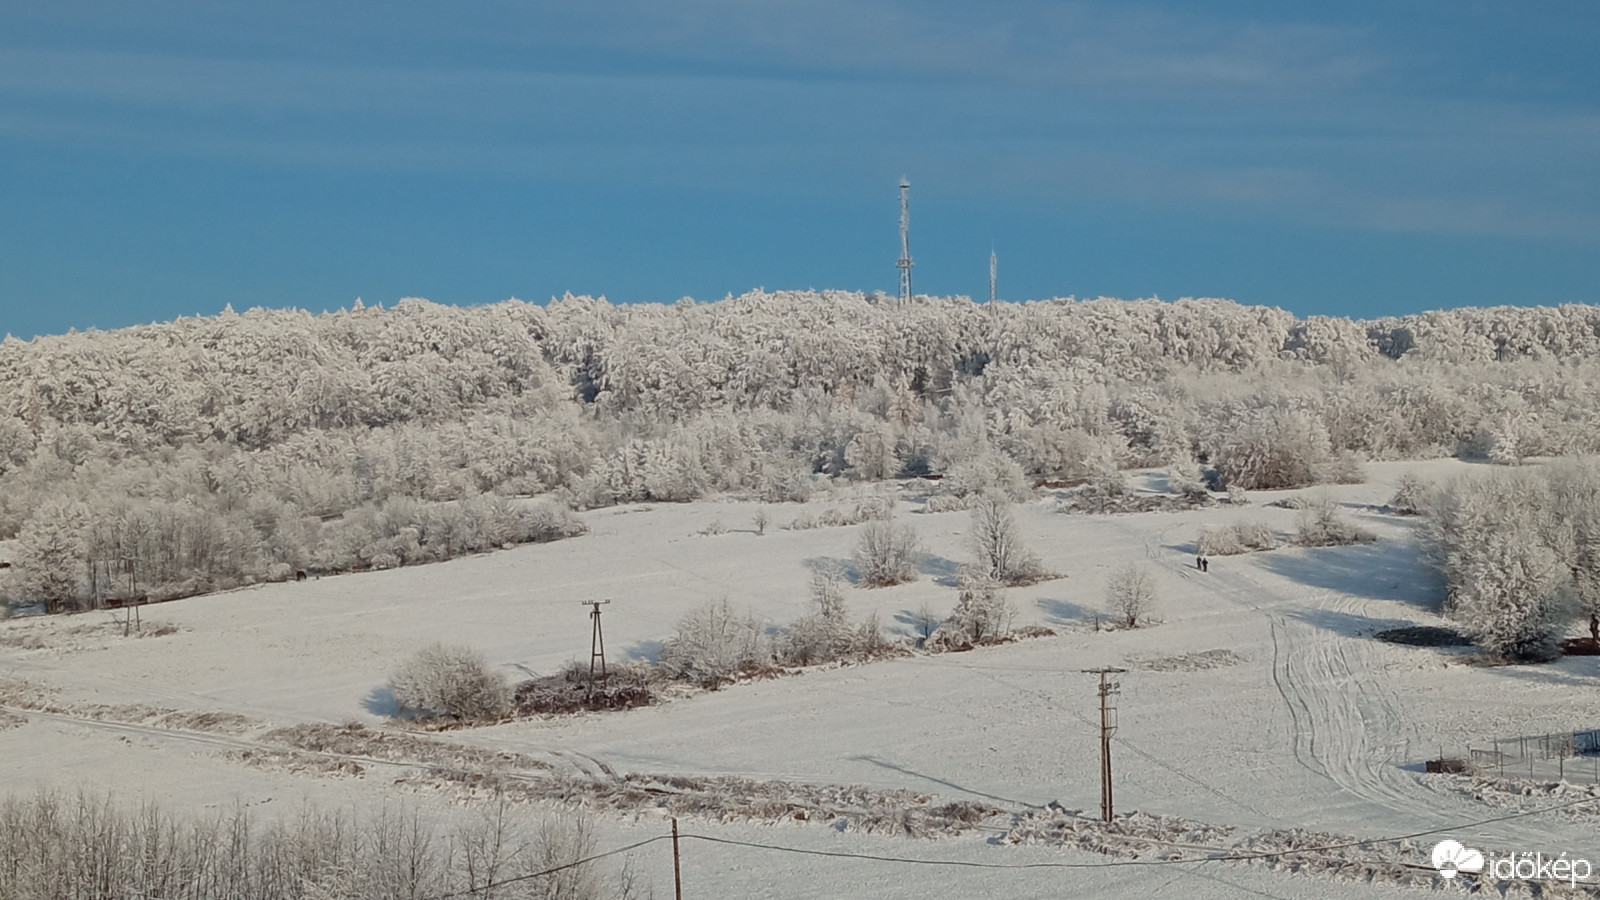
(677, 875)
(597, 644)
(1108, 727)
(130, 612)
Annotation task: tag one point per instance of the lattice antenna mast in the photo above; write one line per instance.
(904, 265)
(994, 271)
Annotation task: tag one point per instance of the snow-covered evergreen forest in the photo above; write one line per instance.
(221, 450)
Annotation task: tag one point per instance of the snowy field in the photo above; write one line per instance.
(1259, 702)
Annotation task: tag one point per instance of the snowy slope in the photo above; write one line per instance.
(1304, 721)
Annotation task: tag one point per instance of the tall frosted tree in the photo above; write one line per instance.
(50, 553)
(1498, 544)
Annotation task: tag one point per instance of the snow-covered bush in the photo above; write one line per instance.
(1187, 483)
(856, 508)
(887, 553)
(1322, 525)
(1272, 449)
(982, 615)
(1344, 467)
(713, 645)
(1002, 554)
(1131, 596)
(990, 472)
(1064, 455)
(450, 680)
(1409, 495)
(1105, 493)
(828, 635)
(548, 521)
(1230, 540)
(778, 483)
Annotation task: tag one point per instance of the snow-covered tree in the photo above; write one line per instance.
(51, 553)
(982, 614)
(1131, 596)
(16, 443)
(1507, 586)
(1002, 554)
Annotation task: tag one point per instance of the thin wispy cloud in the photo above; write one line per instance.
(1443, 121)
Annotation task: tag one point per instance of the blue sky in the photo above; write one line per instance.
(164, 158)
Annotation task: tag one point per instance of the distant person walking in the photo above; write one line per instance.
(1200, 563)
(1205, 564)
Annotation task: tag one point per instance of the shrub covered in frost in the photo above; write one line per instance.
(982, 615)
(450, 680)
(713, 645)
(1322, 525)
(887, 553)
(1240, 537)
(1409, 495)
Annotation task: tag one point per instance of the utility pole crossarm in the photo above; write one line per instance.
(597, 644)
(1108, 727)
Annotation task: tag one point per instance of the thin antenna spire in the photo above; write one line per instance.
(994, 271)
(904, 265)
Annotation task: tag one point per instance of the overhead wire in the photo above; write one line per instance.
(464, 892)
(1222, 856)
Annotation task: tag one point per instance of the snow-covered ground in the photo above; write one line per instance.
(1259, 701)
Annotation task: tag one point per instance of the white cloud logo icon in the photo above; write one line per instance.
(1450, 857)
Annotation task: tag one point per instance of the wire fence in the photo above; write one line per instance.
(1571, 756)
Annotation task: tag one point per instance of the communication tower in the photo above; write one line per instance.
(994, 270)
(904, 265)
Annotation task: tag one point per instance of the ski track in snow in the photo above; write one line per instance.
(1347, 721)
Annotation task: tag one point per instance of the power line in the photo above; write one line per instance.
(1127, 863)
(561, 868)
(1133, 747)
(1221, 856)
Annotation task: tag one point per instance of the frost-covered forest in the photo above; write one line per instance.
(220, 450)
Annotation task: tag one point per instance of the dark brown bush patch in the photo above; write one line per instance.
(1580, 647)
(1424, 636)
(568, 692)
